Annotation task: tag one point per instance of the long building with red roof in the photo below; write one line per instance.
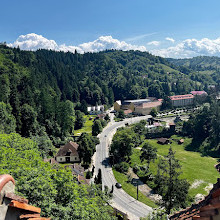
(182, 100)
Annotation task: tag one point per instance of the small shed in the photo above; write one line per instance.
(163, 141)
(172, 127)
(181, 141)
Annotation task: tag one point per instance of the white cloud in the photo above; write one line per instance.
(34, 42)
(154, 43)
(191, 48)
(107, 42)
(185, 49)
(170, 39)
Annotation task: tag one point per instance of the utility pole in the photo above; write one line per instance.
(136, 183)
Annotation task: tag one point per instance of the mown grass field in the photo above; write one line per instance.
(87, 126)
(132, 190)
(195, 168)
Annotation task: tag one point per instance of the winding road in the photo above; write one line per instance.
(121, 200)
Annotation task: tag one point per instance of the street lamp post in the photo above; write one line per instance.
(135, 181)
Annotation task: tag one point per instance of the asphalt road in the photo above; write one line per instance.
(121, 200)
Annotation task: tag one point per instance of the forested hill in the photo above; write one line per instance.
(203, 61)
(40, 89)
(202, 64)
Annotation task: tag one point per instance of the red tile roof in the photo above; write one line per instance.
(127, 111)
(178, 97)
(16, 202)
(205, 209)
(39, 218)
(24, 206)
(25, 216)
(4, 179)
(13, 196)
(198, 93)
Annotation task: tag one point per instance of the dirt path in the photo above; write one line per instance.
(144, 188)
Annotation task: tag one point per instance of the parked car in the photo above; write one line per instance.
(118, 185)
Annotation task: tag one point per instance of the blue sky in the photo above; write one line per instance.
(137, 22)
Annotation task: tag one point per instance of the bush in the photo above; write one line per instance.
(103, 123)
(122, 167)
(136, 169)
(156, 215)
(89, 175)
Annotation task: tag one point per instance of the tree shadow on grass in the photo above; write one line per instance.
(195, 146)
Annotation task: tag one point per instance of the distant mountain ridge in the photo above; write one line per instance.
(205, 62)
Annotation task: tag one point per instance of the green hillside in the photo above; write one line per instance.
(201, 67)
(43, 88)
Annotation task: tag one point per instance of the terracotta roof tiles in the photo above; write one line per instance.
(178, 97)
(24, 206)
(204, 209)
(15, 202)
(5, 178)
(25, 216)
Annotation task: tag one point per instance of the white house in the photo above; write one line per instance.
(68, 153)
(95, 109)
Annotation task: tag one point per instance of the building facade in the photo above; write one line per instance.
(138, 106)
(182, 100)
(93, 110)
(117, 105)
(145, 108)
(68, 153)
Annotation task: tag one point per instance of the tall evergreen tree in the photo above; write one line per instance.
(79, 122)
(169, 185)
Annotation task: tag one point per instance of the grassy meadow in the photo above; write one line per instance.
(198, 170)
(87, 126)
